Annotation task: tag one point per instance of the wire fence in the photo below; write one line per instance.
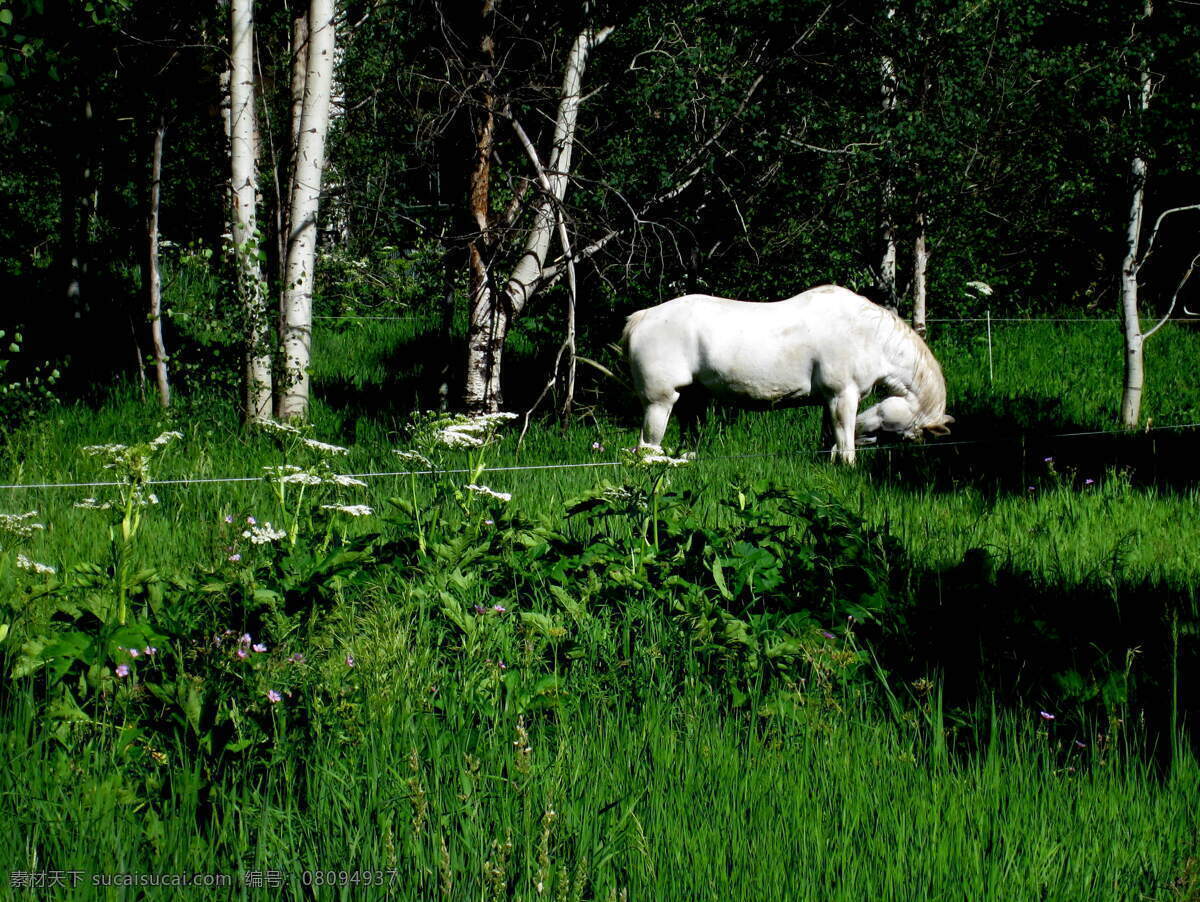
(395, 474)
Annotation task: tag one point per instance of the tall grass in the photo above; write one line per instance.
(665, 803)
(641, 778)
(996, 491)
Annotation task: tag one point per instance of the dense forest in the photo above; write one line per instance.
(548, 169)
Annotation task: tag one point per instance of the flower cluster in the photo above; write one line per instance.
(415, 458)
(351, 510)
(132, 464)
(20, 526)
(488, 493)
(323, 447)
(122, 669)
(471, 432)
(654, 458)
(287, 474)
(25, 563)
(261, 535)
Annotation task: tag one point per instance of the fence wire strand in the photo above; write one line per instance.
(456, 471)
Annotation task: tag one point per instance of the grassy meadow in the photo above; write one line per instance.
(961, 670)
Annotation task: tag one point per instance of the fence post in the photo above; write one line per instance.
(991, 371)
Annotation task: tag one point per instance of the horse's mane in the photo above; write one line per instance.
(928, 384)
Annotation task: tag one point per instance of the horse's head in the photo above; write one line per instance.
(899, 416)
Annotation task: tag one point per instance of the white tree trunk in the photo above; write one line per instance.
(252, 290)
(1135, 373)
(920, 266)
(302, 221)
(153, 276)
(887, 264)
(1131, 396)
(491, 314)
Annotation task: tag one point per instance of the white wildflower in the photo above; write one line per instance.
(619, 494)
(414, 457)
(346, 481)
(282, 428)
(261, 535)
(34, 567)
(301, 479)
(666, 459)
(459, 437)
(325, 448)
(19, 525)
(472, 432)
(281, 470)
(110, 450)
(492, 420)
(165, 439)
(93, 504)
(484, 490)
(353, 510)
(982, 287)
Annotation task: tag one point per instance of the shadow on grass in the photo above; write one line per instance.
(421, 373)
(1001, 446)
(1098, 652)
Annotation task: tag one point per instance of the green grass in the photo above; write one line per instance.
(662, 787)
(671, 804)
(1062, 530)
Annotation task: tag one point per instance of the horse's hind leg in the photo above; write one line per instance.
(654, 423)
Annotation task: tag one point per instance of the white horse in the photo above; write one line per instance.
(827, 345)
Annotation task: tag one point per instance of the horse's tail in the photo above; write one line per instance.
(634, 319)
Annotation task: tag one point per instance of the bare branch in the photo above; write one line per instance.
(1154, 232)
(1174, 298)
(568, 345)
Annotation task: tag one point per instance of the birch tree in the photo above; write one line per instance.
(153, 274)
(301, 246)
(889, 83)
(251, 287)
(494, 305)
(1135, 257)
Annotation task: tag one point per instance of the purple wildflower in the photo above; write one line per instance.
(349, 660)
(229, 518)
(234, 558)
(1046, 715)
(150, 651)
(480, 609)
(827, 634)
(242, 654)
(260, 647)
(122, 670)
(1089, 482)
(250, 521)
(274, 697)
(133, 652)
(499, 608)
(1048, 460)
(1080, 745)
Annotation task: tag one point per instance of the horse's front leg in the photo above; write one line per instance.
(842, 410)
(654, 423)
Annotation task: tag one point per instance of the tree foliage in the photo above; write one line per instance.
(735, 148)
